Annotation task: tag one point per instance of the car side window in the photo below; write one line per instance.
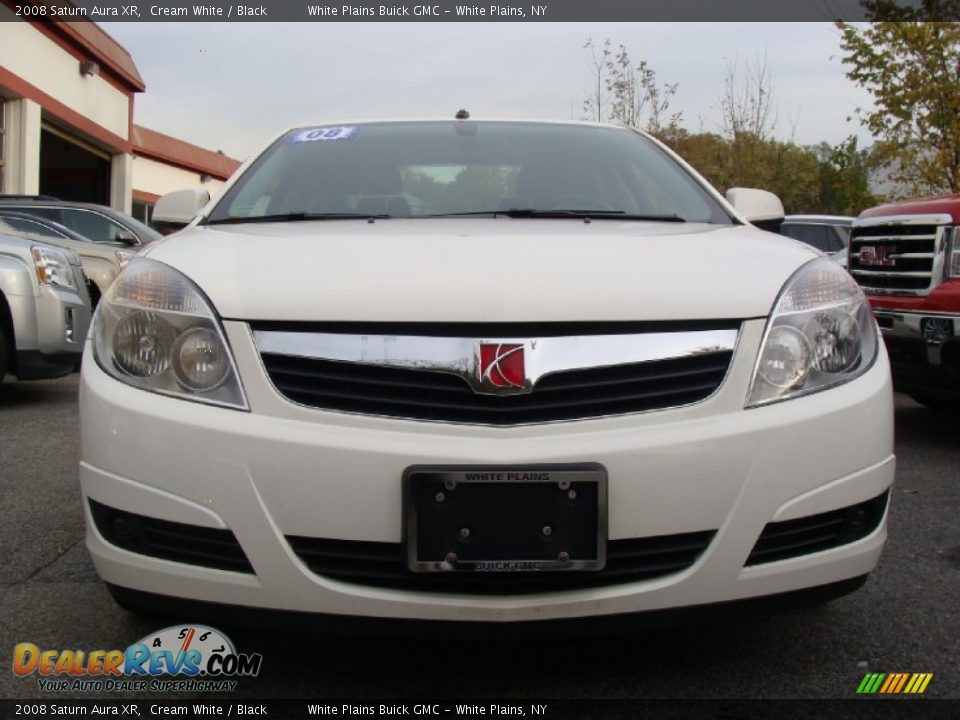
(815, 235)
(29, 226)
(93, 225)
(44, 212)
(840, 238)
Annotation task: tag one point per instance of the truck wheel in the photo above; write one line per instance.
(935, 403)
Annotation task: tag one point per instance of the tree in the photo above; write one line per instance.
(627, 94)
(912, 71)
(746, 101)
(844, 178)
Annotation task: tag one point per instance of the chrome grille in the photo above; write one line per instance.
(435, 378)
(899, 255)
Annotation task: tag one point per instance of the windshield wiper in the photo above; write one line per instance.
(293, 217)
(579, 214)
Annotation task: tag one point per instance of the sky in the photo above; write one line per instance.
(233, 86)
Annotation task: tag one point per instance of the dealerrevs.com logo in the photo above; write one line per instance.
(192, 658)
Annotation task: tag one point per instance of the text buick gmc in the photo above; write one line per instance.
(491, 371)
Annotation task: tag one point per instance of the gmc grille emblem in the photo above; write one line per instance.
(502, 368)
(877, 255)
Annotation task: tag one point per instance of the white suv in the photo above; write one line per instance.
(492, 371)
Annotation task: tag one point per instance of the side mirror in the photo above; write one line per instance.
(759, 207)
(175, 210)
(127, 238)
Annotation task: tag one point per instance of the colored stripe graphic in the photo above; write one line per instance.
(903, 680)
(894, 683)
(891, 681)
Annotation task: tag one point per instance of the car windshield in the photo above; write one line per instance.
(438, 169)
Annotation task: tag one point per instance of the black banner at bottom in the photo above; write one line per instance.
(855, 709)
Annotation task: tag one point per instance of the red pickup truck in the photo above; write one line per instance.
(906, 257)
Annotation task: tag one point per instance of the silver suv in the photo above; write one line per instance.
(102, 261)
(44, 309)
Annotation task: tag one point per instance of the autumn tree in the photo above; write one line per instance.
(912, 71)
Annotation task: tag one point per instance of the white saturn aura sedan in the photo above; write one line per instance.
(484, 372)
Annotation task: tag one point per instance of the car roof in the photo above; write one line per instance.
(47, 202)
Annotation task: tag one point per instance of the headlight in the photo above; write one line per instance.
(156, 330)
(53, 267)
(953, 259)
(821, 334)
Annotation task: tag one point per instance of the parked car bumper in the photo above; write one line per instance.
(50, 331)
(924, 349)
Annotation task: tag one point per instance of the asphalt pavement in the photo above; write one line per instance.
(906, 618)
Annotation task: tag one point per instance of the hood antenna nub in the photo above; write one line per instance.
(462, 115)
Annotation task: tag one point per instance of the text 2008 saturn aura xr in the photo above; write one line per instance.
(481, 371)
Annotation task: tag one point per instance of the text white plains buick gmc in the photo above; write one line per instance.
(489, 371)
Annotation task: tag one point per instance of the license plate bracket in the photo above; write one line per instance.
(505, 518)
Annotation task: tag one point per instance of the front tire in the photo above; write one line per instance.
(4, 353)
(935, 402)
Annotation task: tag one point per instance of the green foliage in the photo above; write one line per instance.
(912, 71)
(824, 179)
(844, 178)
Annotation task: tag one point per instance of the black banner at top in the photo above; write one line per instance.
(478, 10)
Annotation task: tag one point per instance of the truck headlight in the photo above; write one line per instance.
(53, 267)
(821, 333)
(156, 330)
(953, 259)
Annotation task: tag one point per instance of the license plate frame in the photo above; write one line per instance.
(535, 496)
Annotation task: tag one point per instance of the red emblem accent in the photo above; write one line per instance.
(501, 365)
(877, 256)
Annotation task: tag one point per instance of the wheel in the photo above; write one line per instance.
(936, 403)
(576, 202)
(3, 353)
(94, 294)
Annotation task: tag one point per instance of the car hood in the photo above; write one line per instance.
(484, 270)
(947, 204)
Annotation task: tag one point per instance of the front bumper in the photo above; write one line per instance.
(282, 470)
(50, 331)
(924, 350)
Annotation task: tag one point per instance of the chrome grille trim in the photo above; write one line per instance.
(460, 356)
(644, 372)
(884, 281)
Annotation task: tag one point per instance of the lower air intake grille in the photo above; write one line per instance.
(814, 533)
(424, 395)
(179, 542)
(383, 565)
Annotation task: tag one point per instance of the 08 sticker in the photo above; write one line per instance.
(325, 134)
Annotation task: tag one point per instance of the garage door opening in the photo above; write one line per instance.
(69, 171)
